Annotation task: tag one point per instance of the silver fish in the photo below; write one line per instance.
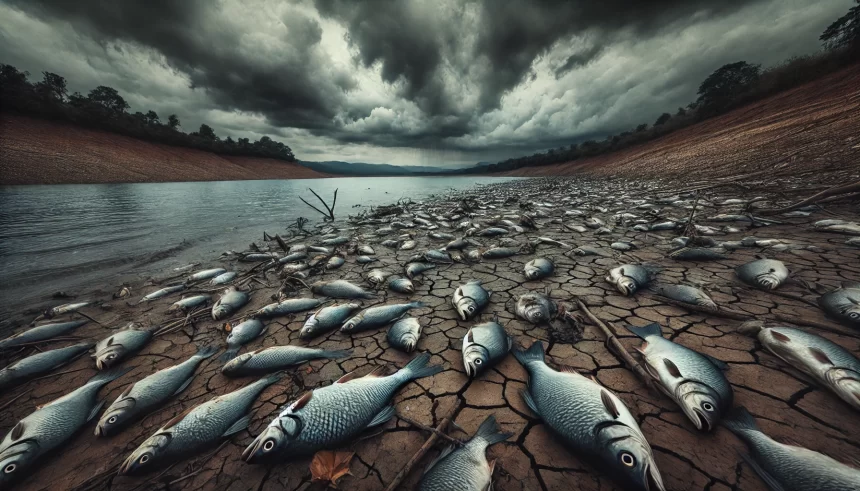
(474, 255)
(629, 278)
(470, 299)
(687, 294)
(274, 358)
(376, 276)
(586, 251)
(340, 289)
(441, 236)
(536, 308)
(335, 262)
(335, 241)
(390, 243)
(843, 304)
(576, 228)
(150, 393)
(594, 223)
(224, 278)
(539, 267)
(333, 415)
(789, 467)
(415, 269)
(196, 429)
(822, 361)
(693, 380)
(319, 249)
(256, 257)
(205, 274)
(601, 429)
(763, 273)
(465, 468)
(366, 250)
(404, 334)
(378, 316)
(240, 335)
(296, 248)
(40, 363)
(408, 245)
(500, 252)
(289, 306)
(696, 254)
(289, 269)
(365, 259)
(188, 303)
(402, 285)
(327, 319)
(230, 302)
(117, 346)
(162, 293)
(41, 333)
(437, 256)
(50, 426)
(294, 257)
(484, 345)
(66, 309)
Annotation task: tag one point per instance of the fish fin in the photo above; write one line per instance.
(176, 419)
(641, 348)
(772, 483)
(418, 368)
(107, 376)
(346, 378)
(206, 351)
(717, 363)
(444, 453)
(490, 432)
(782, 338)
(241, 424)
(378, 371)
(672, 368)
(534, 353)
(302, 401)
(609, 404)
(383, 417)
(820, 356)
(652, 329)
(184, 385)
(527, 398)
(228, 355)
(96, 410)
(17, 431)
(739, 419)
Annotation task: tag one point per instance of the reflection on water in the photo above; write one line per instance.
(81, 237)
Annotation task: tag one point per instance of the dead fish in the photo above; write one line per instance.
(408, 245)
(402, 285)
(336, 241)
(469, 299)
(491, 232)
(500, 252)
(549, 241)
(289, 306)
(763, 273)
(378, 316)
(257, 257)
(41, 333)
(327, 319)
(365, 259)
(117, 346)
(415, 269)
(586, 251)
(66, 309)
(441, 236)
(376, 276)
(536, 308)
(629, 278)
(319, 249)
(187, 303)
(594, 223)
(162, 293)
(296, 248)
(404, 334)
(293, 257)
(39, 364)
(687, 294)
(206, 274)
(484, 345)
(539, 267)
(474, 256)
(390, 243)
(437, 256)
(334, 262)
(365, 250)
(230, 302)
(622, 246)
(843, 304)
(576, 228)
(696, 254)
(224, 278)
(240, 335)
(275, 358)
(340, 289)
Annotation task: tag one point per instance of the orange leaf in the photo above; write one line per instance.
(309, 369)
(330, 466)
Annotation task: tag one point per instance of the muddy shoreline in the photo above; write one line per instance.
(532, 459)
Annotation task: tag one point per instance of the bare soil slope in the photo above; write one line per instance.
(36, 151)
(813, 127)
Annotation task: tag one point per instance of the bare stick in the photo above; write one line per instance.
(314, 207)
(440, 434)
(720, 312)
(443, 425)
(835, 190)
(615, 346)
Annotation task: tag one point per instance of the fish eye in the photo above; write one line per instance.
(471, 309)
(772, 270)
(144, 458)
(112, 420)
(627, 459)
(707, 406)
(10, 468)
(269, 445)
(478, 361)
(110, 356)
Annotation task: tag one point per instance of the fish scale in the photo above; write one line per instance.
(276, 358)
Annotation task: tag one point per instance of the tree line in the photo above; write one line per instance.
(728, 87)
(104, 108)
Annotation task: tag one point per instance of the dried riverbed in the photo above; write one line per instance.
(785, 406)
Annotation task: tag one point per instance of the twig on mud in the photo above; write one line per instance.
(330, 209)
(616, 348)
(834, 191)
(438, 433)
(441, 427)
(720, 312)
(690, 229)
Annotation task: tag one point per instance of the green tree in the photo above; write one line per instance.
(52, 86)
(207, 132)
(642, 127)
(726, 83)
(108, 98)
(844, 31)
(662, 119)
(681, 112)
(152, 118)
(173, 122)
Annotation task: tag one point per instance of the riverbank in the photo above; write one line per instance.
(37, 151)
(532, 458)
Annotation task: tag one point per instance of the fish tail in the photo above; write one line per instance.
(335, 354)
(416, 304)
(740, 420)
(418, 368)
(652, 329)
(108, 376)
(206, 351)
(490, 432)
(271, 379)
(228, 355)
(533, 354)
(751, 328)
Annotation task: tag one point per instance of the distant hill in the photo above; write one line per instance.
(363, 169)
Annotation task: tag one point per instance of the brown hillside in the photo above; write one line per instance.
(812, 127)
(36, 151)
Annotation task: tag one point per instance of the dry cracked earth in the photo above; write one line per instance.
(786, 407)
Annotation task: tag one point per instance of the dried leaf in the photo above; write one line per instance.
(330, 466)
(309, 370)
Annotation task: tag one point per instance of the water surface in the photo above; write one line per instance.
(80, 237)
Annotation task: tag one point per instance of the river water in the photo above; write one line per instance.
(80, 237)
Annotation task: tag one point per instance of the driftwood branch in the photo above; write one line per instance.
(440, 428)
(834, 191)
(329, 213)
(615, 346)
(440, 433)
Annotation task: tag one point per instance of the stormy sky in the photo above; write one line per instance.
(436, 82)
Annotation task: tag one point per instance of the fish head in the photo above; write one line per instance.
(351, 324)
(15, 459)
(768, 280)
(236, 363)
(147, 455)
(532, 273)
(274, 440)
(466, 308)
(628, 456)
(846, 383)
(120, 412)
(220, 311)
(407, 286)
(701, 405)
(309, 328)
(109, 355)
(626, 285)
(475, 359)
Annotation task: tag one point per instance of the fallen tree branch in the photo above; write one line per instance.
(440, 428)
(834, 191)
(616, 348)
(440, 434)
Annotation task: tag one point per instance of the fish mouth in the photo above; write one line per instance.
(653, 481)
(703, 423)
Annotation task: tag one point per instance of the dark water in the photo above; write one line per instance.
(77, 238)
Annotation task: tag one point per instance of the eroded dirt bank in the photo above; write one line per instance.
(785, 406)
(807, 129)
(36, 151)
